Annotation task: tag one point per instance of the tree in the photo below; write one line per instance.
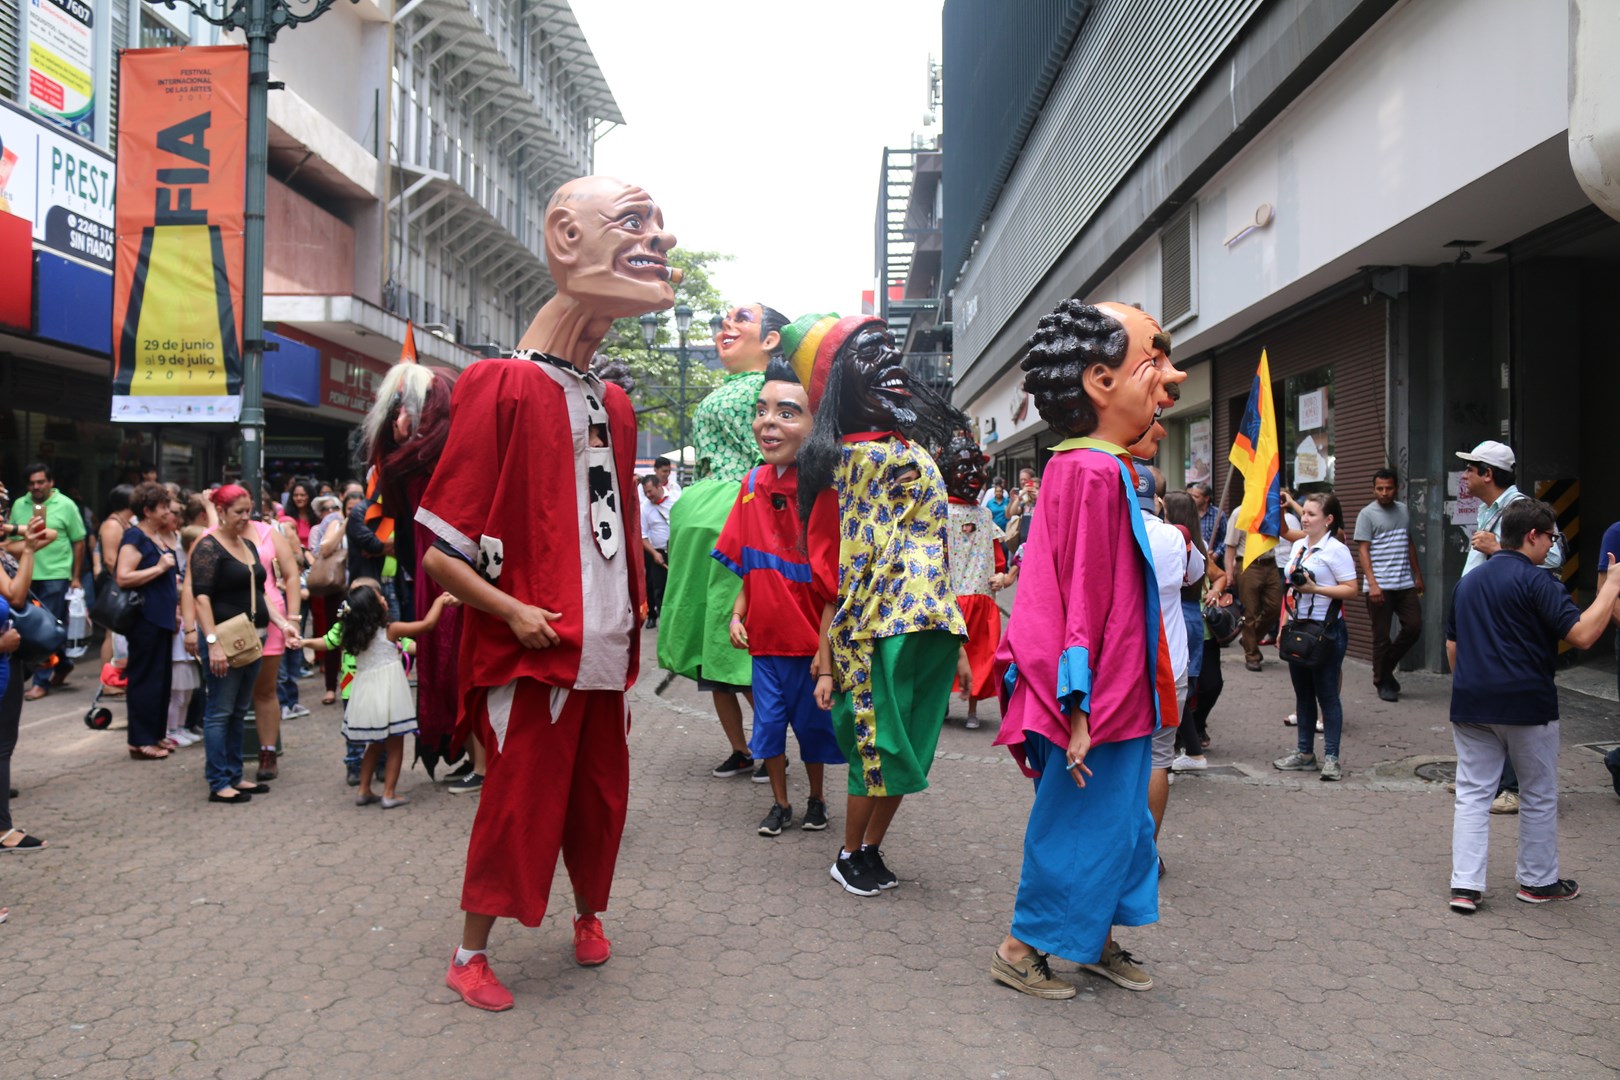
(657, 371)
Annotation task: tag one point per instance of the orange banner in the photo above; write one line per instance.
(177, 287)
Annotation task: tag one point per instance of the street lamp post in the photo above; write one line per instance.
(260, 21)
(683, 323)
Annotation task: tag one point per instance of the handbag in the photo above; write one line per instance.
(238, 635)
(328, 572)
(42, 633)
(1306, 642)
(1225, 623)
(116, 609)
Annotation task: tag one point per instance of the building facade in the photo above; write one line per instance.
(1356, 188)
(413, 146)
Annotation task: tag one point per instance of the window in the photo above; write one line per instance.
(158, 33)
(1307, 449)
(1178, 255)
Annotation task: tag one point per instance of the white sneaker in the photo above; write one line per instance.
(184, 738)
(293, 712)
(1291, 720)
(1187, 763)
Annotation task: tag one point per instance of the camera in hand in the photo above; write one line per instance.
(1299, 576)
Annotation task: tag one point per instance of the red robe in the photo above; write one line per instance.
(508, 472)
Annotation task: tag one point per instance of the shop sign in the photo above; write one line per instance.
(349, 380)
(61, 64)
(61, 186)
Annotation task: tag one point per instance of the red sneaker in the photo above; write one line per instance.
(591, 946)
(477, 985)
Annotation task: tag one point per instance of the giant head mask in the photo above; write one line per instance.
(608, 251)
(964, 466)
(1101, 370)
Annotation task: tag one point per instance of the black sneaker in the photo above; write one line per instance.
(1387, 692)
(471, 784)
(852, 873)
(735, 765)
(880, 873)
(1393, 683)
(463, 769)
(1465, 901)
(763, 777)
(1562, 889)
(353, 778)
(778, 819)
(815, 816)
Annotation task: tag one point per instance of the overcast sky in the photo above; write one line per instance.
(759, 126)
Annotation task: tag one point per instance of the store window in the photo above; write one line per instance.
(1308, 446)
(1186, 455)
(158, 33)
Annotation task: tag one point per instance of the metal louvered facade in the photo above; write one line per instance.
(1134, 63)
(1178, 261)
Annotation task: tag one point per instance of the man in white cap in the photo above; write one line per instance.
(1489, 477)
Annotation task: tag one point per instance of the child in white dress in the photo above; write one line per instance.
(378, 708)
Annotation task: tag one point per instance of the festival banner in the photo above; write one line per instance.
(177, 290)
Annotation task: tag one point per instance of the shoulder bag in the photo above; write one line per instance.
(42, 633)
(117, 609)
(238, 635)
(1305, 641)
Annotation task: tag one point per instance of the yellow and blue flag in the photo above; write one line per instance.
(1256, 457)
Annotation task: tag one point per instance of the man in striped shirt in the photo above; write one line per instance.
(1392, 579)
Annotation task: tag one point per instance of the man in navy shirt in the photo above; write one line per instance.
(1502, 637)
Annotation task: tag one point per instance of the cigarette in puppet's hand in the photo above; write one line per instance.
(674, 275)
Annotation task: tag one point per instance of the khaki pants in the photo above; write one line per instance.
(1260, 592)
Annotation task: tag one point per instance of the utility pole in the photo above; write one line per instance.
(260, 21)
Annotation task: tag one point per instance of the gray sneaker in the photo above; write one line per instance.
(1330, 768)
(1297, 762)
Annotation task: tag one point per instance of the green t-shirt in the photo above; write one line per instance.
(54, 562)
(334, 640)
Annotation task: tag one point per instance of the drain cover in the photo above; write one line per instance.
(1437, 772)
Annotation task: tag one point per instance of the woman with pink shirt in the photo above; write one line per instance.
(1079, 665)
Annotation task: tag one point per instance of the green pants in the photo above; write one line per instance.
(889, 725)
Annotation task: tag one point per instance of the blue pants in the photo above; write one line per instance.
(1089, 858)
(784, 695)
(1320, 685)
(230, 696)
(53, 594)
(287, 678)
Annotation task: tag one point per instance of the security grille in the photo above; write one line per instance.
(1179, 293)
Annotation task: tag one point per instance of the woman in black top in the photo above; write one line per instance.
(227, 580)
(146, 563)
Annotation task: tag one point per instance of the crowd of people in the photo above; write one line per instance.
(834, 563)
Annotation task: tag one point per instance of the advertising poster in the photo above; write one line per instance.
(61, 64)
(1199, 457)
(177, 290)
(61, 186)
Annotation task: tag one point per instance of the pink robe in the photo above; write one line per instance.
(1085, 628)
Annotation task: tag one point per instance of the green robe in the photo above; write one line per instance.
(694, 626)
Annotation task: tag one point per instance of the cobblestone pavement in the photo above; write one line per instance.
(1304, 924)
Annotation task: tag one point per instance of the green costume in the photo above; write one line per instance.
(694, 635)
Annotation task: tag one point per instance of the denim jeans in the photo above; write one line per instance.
(230, 696)
(53, 594)
(1321, 685)
(287, 678)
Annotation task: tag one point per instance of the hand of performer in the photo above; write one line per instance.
(824, 691)
(532, 627)
(739, 632)
(1079, 746)
(964, 674)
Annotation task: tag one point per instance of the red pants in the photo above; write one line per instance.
(551, 787)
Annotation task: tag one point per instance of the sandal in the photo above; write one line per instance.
(329, 698)
(148, 753)
(26, 844)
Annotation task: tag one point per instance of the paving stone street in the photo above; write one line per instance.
(1304, 925)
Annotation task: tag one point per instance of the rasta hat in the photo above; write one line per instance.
(811, 341)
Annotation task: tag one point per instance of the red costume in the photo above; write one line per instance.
(516, 494)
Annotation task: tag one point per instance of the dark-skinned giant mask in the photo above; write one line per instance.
(964, 466)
